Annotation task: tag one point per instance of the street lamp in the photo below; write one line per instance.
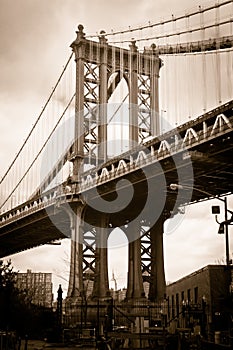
(223, 226)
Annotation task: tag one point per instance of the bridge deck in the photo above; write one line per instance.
(206, 159)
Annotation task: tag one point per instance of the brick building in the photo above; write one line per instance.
(203, 297)
(38, 286)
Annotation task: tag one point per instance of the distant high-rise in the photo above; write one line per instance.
(38, 286)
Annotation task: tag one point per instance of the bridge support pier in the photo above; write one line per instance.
(157, 286)
(135, 283)
(75, 288)
(101, 284)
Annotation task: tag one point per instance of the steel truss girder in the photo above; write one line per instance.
(89, 248)
(126, 63)
(91, 86)
(91, 99)
(144, 104)
(146, 258)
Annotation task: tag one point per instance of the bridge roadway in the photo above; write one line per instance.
(196, 46)
(200, 149)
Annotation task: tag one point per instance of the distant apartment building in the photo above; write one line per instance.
(203, 297)
(38, 286)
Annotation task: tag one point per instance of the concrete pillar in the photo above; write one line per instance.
(135, 282)
(103, 99)
(133, 96)
(154, 90)
(78, 47)
(75, 287)
(158, 285)
(101, 285)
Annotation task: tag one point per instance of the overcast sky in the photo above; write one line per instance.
(34, 44)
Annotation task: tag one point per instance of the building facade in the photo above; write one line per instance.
(202, 298)
(38, 286)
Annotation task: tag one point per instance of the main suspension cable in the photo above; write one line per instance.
(170, 20)
(38, 119)
(39, 153)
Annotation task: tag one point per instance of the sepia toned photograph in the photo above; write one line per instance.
(116, 206)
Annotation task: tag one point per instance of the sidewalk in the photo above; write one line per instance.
(43, 345)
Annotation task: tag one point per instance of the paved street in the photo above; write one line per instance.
(40, 345)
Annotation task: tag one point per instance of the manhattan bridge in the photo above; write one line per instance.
(132, 113)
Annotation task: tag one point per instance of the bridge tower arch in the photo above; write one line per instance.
(95, 63)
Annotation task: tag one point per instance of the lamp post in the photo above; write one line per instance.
(223, 226)
(59, 312)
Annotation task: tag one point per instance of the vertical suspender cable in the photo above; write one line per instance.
(229, 54)
(99, 115)
(168, 78)
(175, 75)
(218, 55)
(121, 120)
(190, 59)
(203, 55)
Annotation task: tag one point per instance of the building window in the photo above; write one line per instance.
(177, 304)
(168, 306)
(196, 295)
(173, 307)
(189, 295)
(182, 296)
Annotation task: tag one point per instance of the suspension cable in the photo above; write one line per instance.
(39, 153)
(151, 25)
(226, 21)
(38, 119)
